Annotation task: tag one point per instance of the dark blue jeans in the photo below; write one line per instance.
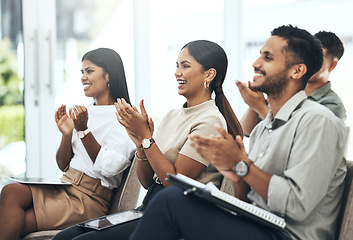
(172, 215)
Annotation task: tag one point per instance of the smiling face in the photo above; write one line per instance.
(271, 73)
(190, 77)
(95, 82)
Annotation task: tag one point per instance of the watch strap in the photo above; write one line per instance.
(247, 161)
(82, 134)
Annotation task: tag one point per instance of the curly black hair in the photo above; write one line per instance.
(304, 48)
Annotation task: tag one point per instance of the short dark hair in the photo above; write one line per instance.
(112, 65)
(331, 43)
(304, 48)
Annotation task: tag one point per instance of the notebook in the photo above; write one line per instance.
(112, 220)
(50, 181)
(227, 202)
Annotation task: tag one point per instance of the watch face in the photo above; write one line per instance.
(80, 134)
(145, 143)
(241, 168)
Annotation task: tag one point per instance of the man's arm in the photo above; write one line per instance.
(249, 120)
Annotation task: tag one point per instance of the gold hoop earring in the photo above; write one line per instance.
(206, 84)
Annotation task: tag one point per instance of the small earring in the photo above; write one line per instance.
(108, 84)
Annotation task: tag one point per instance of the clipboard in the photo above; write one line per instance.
(227, 202)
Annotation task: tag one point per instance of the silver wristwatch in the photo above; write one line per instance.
(242, 168)
(147, 142)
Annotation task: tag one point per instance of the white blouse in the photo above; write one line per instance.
(116, 151)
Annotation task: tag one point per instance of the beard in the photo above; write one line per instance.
(274, 84)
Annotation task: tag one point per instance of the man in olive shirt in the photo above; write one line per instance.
(317, 89)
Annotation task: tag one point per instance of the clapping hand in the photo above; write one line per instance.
(63, 121)
(79, 115)
(254, 99)
(222, 151)
(138, 125)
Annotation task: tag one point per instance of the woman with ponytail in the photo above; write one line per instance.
(211, 55)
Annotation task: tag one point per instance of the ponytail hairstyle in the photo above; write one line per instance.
(112, 65)
(210, 55)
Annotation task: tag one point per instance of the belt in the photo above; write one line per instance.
(79, 178)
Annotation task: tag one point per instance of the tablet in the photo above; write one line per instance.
(49, 181)
(112, 220)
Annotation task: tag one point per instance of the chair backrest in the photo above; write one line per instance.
(347, 143)
(345, 220)
(227, 186)
(126, 196)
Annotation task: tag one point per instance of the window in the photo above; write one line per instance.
(12, 145)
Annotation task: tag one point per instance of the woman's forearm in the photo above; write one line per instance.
(91, 145)
(64, 153)
(143, 169)
(159, 163)
(156, 163)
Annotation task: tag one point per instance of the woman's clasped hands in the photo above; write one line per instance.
(77, 118)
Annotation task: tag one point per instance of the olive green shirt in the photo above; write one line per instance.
(327, 97)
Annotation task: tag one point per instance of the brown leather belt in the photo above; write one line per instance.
(79, 178)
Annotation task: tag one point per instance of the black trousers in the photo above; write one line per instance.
(172, 215)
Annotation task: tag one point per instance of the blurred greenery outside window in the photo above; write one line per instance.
(11, 96)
